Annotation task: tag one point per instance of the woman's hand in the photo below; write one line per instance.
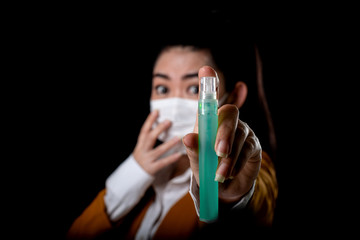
(238, 149)
(145, 154)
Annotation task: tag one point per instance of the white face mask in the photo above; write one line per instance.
(180, 111)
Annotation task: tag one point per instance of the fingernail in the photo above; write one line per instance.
(222, 149)
(221, 172)
(219, 178)
(166, 121)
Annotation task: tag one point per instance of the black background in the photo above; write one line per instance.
(90, 69)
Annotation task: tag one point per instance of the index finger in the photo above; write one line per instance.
(228, 122)
(147, 126)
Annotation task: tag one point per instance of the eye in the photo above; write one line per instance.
(161, 89)
(194, 89)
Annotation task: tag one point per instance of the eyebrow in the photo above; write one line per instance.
(161, 75)
(185, 77)
(190, 75)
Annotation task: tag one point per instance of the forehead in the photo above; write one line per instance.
(181, 60)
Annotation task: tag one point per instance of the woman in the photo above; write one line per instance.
(154, 192)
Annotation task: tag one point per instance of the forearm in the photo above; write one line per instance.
(125, 187)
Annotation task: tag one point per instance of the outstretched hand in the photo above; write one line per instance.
(236, 145)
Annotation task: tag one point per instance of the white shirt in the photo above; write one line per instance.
(128, 183)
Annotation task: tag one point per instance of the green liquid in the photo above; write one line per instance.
(208, 160)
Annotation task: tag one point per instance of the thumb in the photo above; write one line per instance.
(191, 144)
(204, 71)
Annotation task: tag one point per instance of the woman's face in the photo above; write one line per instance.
(176, 73)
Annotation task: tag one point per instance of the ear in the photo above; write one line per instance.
(238, 95)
